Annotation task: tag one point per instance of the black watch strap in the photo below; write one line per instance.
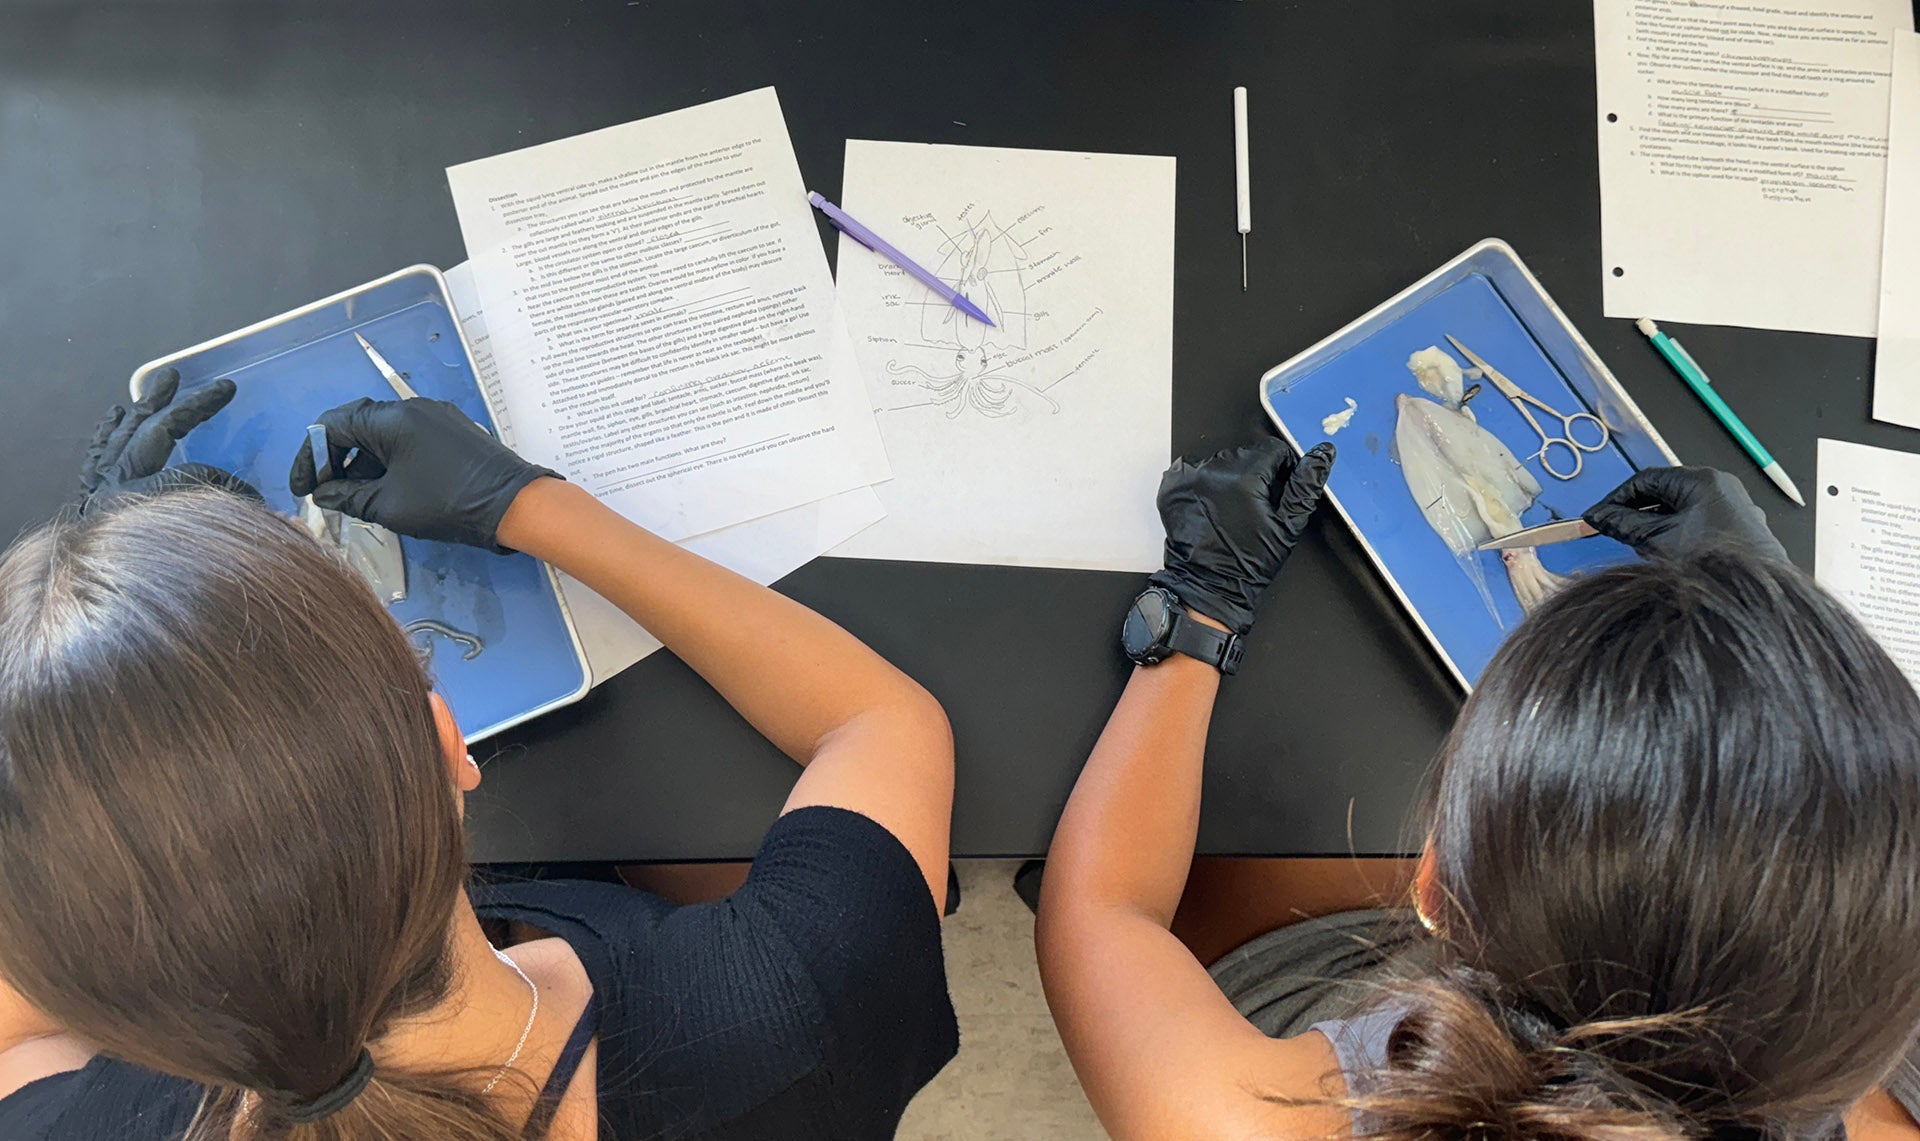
(1220, 649)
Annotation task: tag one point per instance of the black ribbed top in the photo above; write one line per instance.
(812, 1003)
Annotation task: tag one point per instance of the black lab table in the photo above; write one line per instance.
(170, 172)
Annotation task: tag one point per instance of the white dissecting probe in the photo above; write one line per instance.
(1241, 191)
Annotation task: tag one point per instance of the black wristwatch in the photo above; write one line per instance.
(1157, 627)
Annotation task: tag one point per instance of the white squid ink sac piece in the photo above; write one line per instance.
(1338, 420)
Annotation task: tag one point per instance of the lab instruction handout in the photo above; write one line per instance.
(1896, 365)
(1038, 440)
(1867, 542)
(1743, 160)
(663, 319)
(765, 550)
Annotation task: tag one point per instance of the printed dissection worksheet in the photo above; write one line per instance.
(1743, 154)
(765, 549)
(1867, 541)
(663, 320)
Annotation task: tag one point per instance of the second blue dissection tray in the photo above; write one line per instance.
(1489, 300)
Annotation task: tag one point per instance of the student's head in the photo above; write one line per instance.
(1675, 858)
(230, 839)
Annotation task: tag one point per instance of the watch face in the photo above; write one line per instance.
(1144, 636)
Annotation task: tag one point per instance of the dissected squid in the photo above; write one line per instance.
(369, 548)
(1471, 489)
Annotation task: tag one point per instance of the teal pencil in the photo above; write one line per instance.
(1696, 378)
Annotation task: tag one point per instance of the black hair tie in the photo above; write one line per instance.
(336, 1099)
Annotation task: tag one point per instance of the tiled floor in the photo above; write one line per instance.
(1011, 1081)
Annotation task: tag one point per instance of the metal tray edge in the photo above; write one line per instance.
(133, 382)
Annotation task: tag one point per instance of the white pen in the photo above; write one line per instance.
(1241, 189)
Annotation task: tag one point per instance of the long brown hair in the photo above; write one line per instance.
(232, 849)
(1676, 844)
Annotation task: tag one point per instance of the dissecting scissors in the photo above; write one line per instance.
(1520, 398)
(400, 386)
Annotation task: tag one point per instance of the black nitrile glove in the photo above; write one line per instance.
(130, 448)
(424, 469)
(1231, 522)
(1668, 511)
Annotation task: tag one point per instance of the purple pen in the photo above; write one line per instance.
(879, 245)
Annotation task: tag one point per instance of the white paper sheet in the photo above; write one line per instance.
(765, 550)
(1896, 368)
(1867, 542)
(663, 317)
(1742, 160)
(1039, 442)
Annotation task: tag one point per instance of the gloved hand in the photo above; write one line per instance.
(1668, 511)
(1231, 522)
(130, 448)
(424, 469)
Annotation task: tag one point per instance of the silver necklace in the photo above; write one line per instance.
(246, 1096)
(524, 1032)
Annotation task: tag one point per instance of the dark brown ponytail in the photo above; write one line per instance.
(232, 849)
(394, 1104)
(1464, 1064)
(1676, 849)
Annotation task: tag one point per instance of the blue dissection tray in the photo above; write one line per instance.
(1487, 298)
(293, 367)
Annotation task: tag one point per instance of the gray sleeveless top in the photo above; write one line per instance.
(1360, 1045)
(1329, 974)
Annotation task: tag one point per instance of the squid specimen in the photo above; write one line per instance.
(369, 548)
(1471, 489)
(375, 554)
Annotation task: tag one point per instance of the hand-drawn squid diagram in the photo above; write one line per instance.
(989, 266)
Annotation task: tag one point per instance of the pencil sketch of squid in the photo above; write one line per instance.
(973, 385)
(988, 265)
